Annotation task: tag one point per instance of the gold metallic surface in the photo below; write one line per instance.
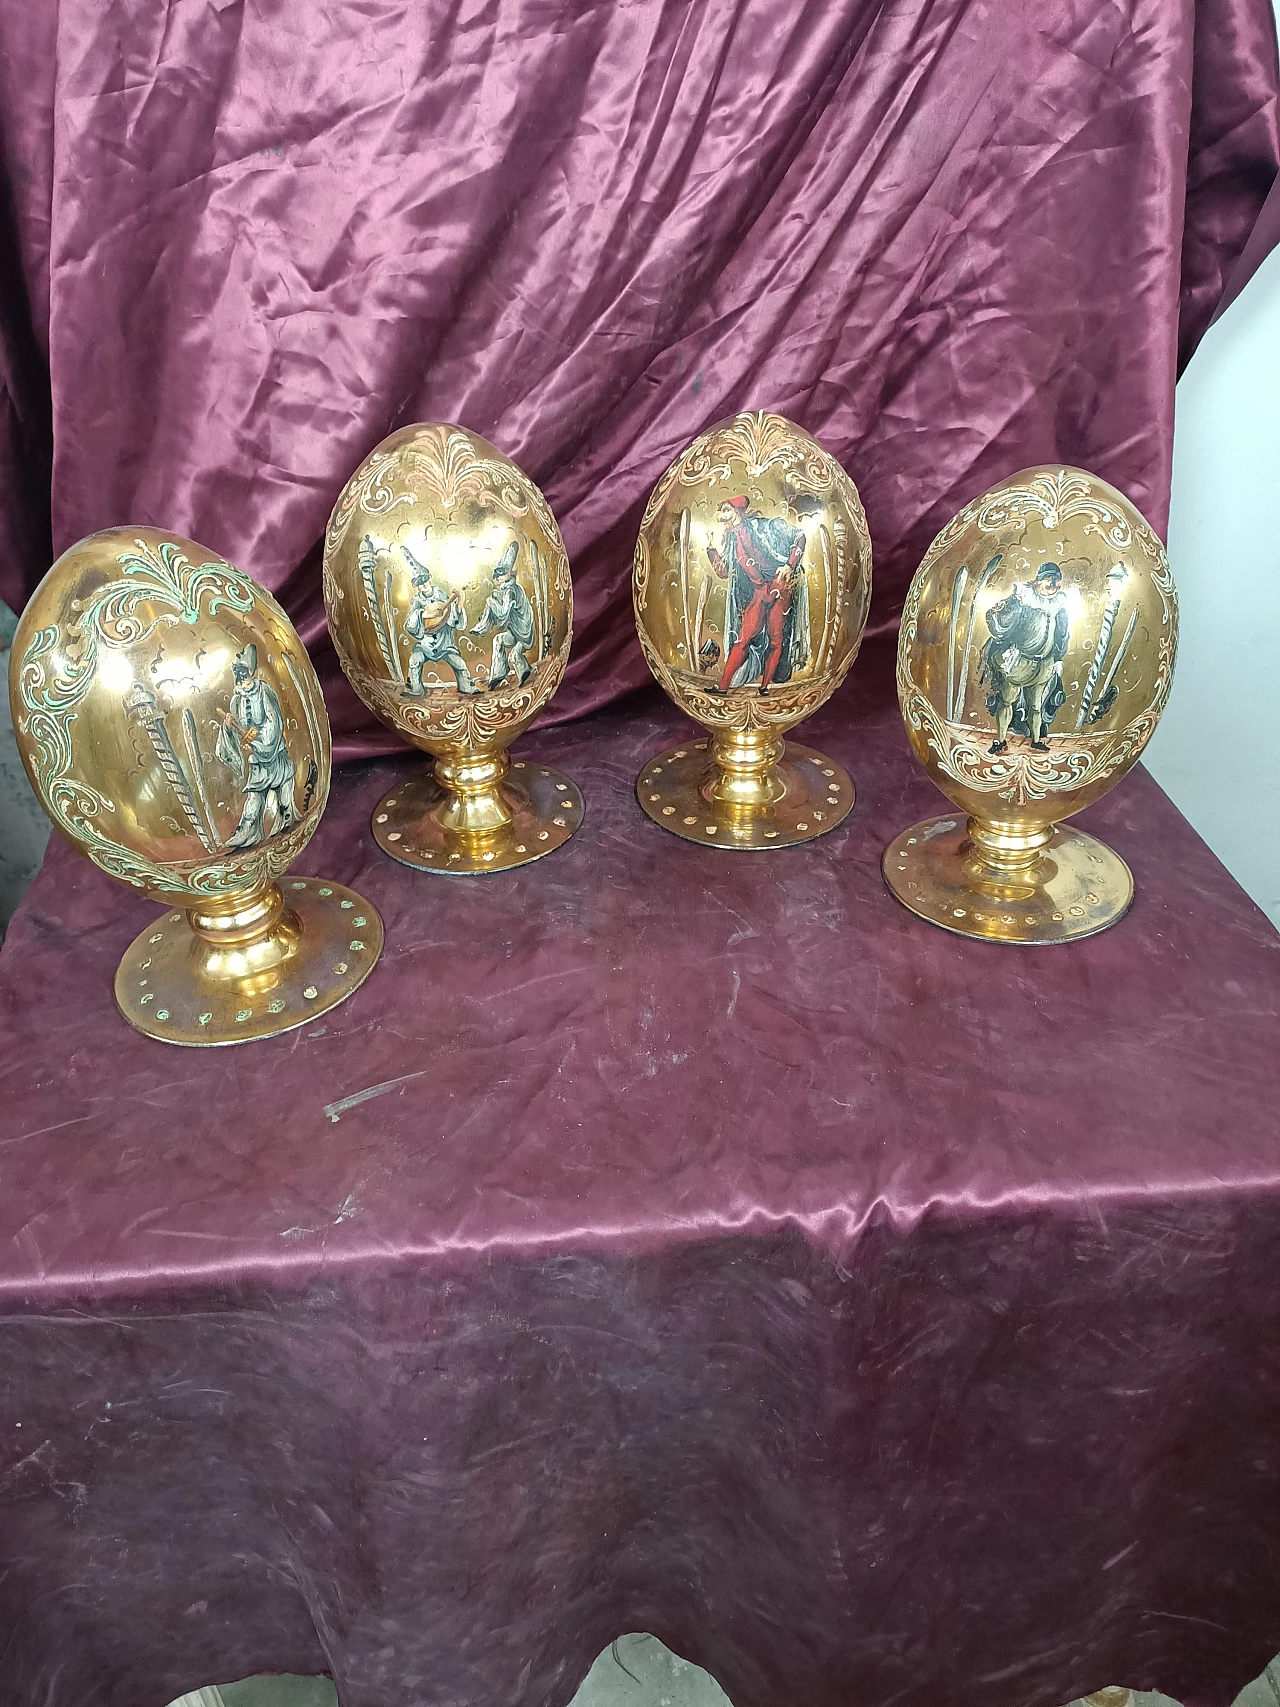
(677, 790)
(451, 609)
(1034, 660)
(184, 981)
(1072, 885)
(751, 585)
(173, 728)
(546, 808)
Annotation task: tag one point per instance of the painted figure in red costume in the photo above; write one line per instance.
(767, 610)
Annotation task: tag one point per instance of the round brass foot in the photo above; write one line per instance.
(306, 947)
(545, 807)
(810, 793)
(1073, 887)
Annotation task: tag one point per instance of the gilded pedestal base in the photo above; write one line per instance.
(291, 953)
(544, 809)
(799, 795)
(1071, 886)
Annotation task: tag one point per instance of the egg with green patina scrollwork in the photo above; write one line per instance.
(168, 716)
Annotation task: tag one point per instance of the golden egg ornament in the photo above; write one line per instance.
(751, 585)
(450, 604)
(1034, 660)
(174, 730)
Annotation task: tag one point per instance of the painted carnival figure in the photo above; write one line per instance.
(431, 624)
(251, 742)
(509, 611)
(1022, 661)
(767, 609)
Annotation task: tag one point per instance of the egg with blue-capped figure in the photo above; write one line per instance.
(447, 588)
(450, 602)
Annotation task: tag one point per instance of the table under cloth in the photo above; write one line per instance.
(661, 1239)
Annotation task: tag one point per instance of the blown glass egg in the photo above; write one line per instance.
(450, 604)
(173, 728)
(1035, 657)
(751, 585)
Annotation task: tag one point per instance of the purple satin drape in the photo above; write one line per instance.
(733, 1257)
(881, 1318)
(953, 237)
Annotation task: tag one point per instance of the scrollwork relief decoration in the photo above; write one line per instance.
(443, 716)
(784, 707)
(1024, 776)
(366, 490)
(59, 667)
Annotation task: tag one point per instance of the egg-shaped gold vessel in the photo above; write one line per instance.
(751, 584)
(1035, 657)
(451, 608)
(174, 730)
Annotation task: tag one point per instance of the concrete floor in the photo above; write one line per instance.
(637, 1671)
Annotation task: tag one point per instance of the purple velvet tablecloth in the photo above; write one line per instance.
(874, 1315)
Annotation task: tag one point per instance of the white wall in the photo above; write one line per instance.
(1217, 749)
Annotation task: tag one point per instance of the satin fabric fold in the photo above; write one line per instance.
(664, 1239)
(950, 239)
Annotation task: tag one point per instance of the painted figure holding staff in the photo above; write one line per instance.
(1022, 661)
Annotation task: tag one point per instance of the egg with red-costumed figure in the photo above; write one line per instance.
(751, 585)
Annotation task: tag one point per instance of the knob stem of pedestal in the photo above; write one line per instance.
(474, 804)
(1006, 847)
(746, 762)
(245, 933)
